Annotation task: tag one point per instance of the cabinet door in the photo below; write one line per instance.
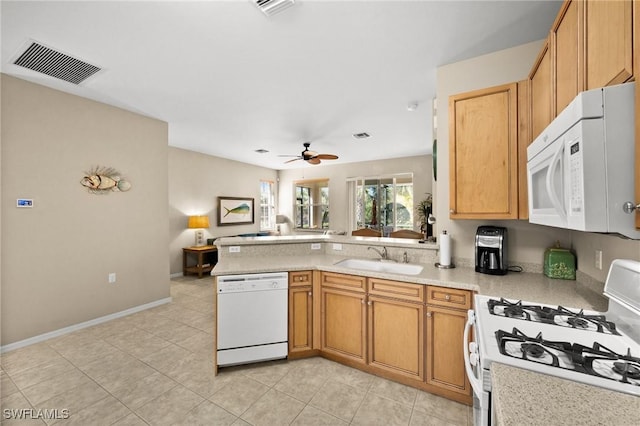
(609, 42)
(483, 158)
(396, 331)
(568, 33)
(344, 323)
(524, 139)
(445, 360)
(300, 318)
(541, 94)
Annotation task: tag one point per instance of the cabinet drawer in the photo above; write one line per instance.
(397, 290)
(343, 281)
(450, 297)
(300, 278)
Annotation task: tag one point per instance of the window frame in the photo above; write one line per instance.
(268, 223)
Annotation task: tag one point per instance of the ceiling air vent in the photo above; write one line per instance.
(272, 7)
(55, 64)
(363, 135)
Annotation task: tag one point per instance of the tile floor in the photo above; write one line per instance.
(155, 367)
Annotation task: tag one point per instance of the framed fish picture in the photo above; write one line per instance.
(235, 211)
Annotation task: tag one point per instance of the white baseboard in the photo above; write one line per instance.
(80, 326)
(176, 275)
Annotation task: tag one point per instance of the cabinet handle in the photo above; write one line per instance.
(369, 303)
(452, 211)
(447, 297)
(310, 294)
(428, 314)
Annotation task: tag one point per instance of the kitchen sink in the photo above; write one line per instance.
(381, 266)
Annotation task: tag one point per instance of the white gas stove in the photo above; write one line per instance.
(599, 349)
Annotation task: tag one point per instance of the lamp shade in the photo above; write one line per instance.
(198, 222)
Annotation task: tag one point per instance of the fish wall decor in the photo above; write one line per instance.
(102, 180)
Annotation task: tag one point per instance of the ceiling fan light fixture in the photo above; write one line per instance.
(261, 151)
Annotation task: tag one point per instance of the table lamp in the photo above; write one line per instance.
(198, 223)
(281, 219)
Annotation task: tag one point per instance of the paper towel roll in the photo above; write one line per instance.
(445, 249)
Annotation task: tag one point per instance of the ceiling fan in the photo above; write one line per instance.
(309, 156)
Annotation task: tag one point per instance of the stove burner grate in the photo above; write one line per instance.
(596, 361)
(559, 316)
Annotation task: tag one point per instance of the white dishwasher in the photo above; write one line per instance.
(252, 317)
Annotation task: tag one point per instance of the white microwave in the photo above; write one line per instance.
(580, 169)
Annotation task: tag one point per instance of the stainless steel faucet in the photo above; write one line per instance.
(383, 254)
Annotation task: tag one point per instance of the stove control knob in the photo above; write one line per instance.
(473, 347)
(473, 359)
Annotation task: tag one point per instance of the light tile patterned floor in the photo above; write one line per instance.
(155, 367)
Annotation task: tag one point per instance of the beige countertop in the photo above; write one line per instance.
(583, 293)
(524, 397)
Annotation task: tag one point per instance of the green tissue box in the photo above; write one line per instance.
(559, 263)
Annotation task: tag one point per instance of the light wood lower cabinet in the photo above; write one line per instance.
(445, 360)
(343, 324)
(410, 333)
(300, 312)
(395, 336)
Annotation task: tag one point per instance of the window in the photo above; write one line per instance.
(312, 204)
(267, 206)
(380, 202)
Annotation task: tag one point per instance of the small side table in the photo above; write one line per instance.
(200, 267)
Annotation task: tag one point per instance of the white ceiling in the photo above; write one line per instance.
(230, 80)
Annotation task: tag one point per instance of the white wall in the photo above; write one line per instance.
(337, 174)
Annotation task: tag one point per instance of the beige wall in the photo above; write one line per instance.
(527, 242)
(56, 257)
(195, 183)
(420, 166)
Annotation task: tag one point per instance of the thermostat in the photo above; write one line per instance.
(24, 202)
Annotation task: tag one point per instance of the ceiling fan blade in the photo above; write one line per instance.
(314, 160)
(327, 156)
(295, 159)
(284, 155)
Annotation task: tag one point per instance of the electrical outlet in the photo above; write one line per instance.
(337, 246)
(234, 249)
(598, 262)
(112, 278)
(315, 246)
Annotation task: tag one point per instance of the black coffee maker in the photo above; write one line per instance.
(491, 250)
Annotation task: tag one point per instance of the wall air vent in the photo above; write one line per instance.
(47, 61)
(272, 7)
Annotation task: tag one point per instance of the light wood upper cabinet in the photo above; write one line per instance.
(541, 91)
(636, 59)
(483, 158)
(567, 35)
(608, 42)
